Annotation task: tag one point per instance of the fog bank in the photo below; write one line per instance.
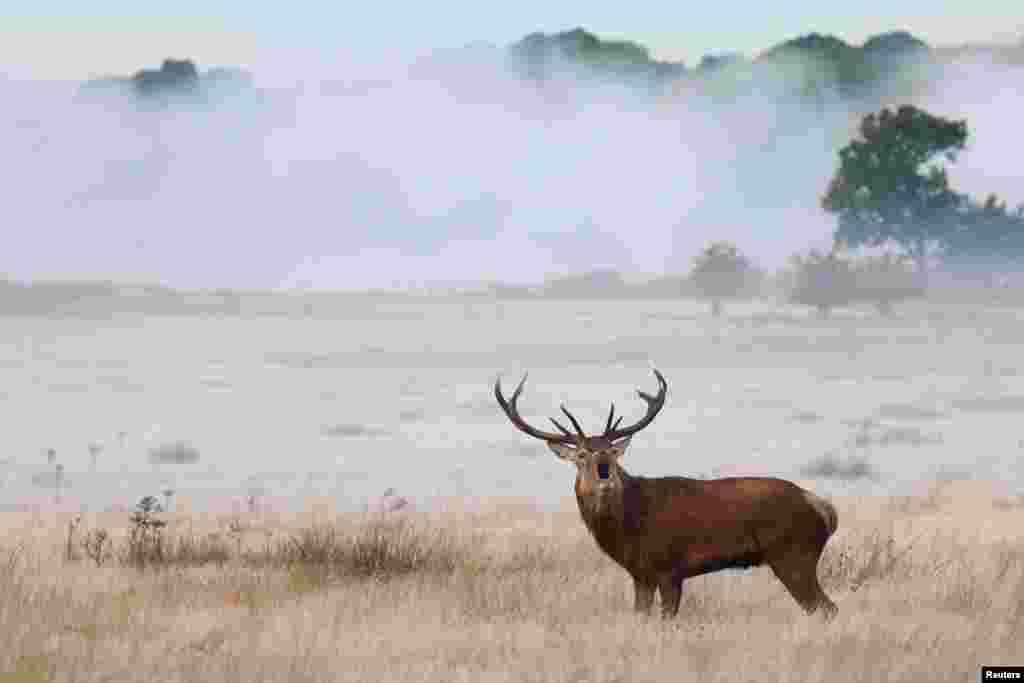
(445, 171)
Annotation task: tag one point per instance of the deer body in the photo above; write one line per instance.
(666, 529)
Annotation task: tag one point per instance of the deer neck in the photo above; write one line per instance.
(605, 519)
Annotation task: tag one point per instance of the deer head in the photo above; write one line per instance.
(599, 477)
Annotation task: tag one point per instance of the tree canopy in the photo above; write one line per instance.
(889, 187)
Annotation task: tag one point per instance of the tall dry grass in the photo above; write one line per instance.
(504, 591)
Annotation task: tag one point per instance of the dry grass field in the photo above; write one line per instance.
(930, 587)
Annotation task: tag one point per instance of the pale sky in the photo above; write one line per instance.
(69, 39)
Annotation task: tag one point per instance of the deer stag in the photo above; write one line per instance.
(663, 530)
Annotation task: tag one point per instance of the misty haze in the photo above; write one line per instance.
(452, 170)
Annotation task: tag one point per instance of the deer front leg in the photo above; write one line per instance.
(644, 595)
(671, 588)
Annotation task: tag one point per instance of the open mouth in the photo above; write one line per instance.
(603, 470)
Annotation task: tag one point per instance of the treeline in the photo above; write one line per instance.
(813, 278)
(810, 68)
(809, 64)
(721, 272)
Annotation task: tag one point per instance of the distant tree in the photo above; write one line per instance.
(175, 80)
(174, 453)
(885, 279)
(988, 235)
(172, 76)
(889, 189)
(821, 280)
(721, 272)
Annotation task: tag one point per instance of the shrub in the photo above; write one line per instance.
(721, 272)
(145, 544)
(821, 280)
(885, 279)
(830, 466)
(380, 548)
(174, 453)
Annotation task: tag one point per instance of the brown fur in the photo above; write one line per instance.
(664, 530)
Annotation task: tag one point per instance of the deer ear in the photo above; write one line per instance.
(565, 451)
(619, 449)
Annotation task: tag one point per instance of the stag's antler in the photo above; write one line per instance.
(513, 414)
(654, 406)
(611, 429)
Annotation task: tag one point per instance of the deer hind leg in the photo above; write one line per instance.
(671, 588)
(799, 574)
(644, 595)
